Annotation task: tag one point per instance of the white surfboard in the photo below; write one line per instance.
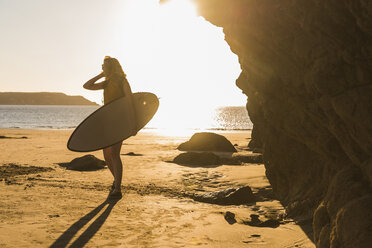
(113, 123)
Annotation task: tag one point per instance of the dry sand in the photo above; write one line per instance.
(63, 208)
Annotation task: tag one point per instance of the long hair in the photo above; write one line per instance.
(113, 68)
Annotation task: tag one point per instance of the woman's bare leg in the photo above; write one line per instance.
(117, 165)
(107, 156)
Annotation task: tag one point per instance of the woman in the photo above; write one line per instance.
(114, 86)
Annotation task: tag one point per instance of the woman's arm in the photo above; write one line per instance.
(90, 84)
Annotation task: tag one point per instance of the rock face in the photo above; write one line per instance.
(207, 142)
(306, 69)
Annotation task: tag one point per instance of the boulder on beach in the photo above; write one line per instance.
(255, 221)
(253, 158)
(86, 163)
(197, 159)
(231, 196)
(207, 142)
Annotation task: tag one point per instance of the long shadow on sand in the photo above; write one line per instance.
(83, 239)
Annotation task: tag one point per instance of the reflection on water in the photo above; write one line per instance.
(221, 118)
(43, 117)
(67, 117)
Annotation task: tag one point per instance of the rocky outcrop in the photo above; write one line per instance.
(306, 69)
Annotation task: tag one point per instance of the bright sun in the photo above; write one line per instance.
(167, 49)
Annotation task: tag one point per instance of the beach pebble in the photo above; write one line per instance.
(53, 215)
(132, 154)
(230, 217)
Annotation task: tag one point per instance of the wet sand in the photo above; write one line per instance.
(54, 207)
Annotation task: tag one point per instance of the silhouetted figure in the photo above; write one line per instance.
(114, 86)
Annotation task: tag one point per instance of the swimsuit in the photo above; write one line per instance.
(114, 90)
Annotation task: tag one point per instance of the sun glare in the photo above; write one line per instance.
(180, 8)
(168, 50)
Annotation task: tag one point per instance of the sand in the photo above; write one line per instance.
(63, 208)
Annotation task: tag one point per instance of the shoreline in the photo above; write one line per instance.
(159, 131)
(63, 207)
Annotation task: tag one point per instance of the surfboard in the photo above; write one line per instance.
(113, 122)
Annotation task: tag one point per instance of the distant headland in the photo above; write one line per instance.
(42, 98)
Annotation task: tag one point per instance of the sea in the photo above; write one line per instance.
(230, 118)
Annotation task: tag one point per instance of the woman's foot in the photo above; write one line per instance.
(112, 187)
(115, 195)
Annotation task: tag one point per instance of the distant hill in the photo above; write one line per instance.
(41, 98)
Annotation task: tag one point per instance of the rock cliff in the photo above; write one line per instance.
(307, 70)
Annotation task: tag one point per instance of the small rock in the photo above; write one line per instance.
(270, 223)
(53, 215)
(132, 154)
(230, 217)
(255, 221)
(86, 163)
(256, 235)
(229, 196)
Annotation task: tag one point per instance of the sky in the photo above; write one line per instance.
(167, 49)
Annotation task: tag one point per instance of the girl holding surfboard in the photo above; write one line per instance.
(114, 86)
